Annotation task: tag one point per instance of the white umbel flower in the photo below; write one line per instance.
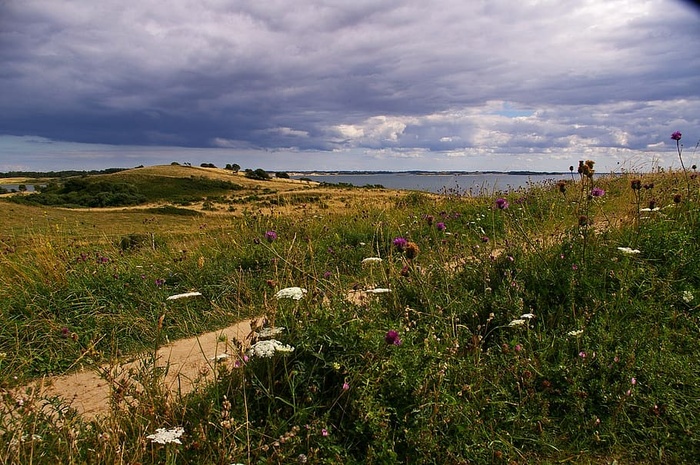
(295, 293)
(576, 332)
(371, 260)
(184, 296)
(378, 290)
(268, 348)
(269, 332)
(167, 436)
(628, 250)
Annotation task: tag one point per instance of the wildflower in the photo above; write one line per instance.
(636, 184)
(597, 192)
(392, 337)
(65, 332)
(302, 458)
(576, 332)
(628, 250)
(184, 296)
(633, 381)
(270, 236)
(378, 290)
(517, 322)
(270, 332)
(583, 220)
(412, 250)
(160, 282)
(677, 198)
(429, 219)
(518, 347)
(562, 184)
(371, 260)
(327, 274)
(295, 293)
(324, 432)
(676, 135)
(582, 354)
(167, 436)
(687, 296)
(501, 203)
(441, 226)
(484, 239)
(527, 316)
(400, 243)
(268, 348)
(346, 386)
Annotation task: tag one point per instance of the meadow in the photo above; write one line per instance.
(553, 324)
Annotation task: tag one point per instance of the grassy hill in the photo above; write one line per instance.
(552, 324)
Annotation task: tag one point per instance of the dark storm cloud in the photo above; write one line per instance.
(408, 77)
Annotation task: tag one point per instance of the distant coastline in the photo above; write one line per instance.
(426, 173)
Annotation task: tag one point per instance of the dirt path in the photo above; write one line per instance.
(187, 359)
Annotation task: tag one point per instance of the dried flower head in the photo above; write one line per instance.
(676, 135)
(412, 250)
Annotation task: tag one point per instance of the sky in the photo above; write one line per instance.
(349, 85)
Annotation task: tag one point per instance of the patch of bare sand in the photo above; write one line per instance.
(187, 360)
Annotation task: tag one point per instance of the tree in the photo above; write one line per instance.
(281, 174)
(259, 174)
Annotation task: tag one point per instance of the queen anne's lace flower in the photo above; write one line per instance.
(371, 260)
(295, 293)
(270, 332)
(687, 296)
(267, 348)
(517, 322)
(628, 250)
(184, 296)
(378, 290)
(576, 332)
(166, 436)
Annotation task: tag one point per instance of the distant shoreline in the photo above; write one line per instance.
(426, 173)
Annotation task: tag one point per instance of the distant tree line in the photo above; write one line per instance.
(81, 192)
(57, 174)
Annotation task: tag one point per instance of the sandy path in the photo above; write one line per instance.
(187, 360)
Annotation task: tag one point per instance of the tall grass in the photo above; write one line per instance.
(507, 335)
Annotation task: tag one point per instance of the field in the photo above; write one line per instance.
(554, 324)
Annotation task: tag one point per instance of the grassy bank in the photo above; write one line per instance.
(553, 324)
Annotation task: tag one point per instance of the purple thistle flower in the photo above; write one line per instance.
(676, 135)
(270, 236)
(160, 282)
(400, 243)
(597, 192)
(392, 337)
(501, 204)
(441, 226)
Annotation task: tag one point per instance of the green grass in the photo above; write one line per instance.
(606, 369)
